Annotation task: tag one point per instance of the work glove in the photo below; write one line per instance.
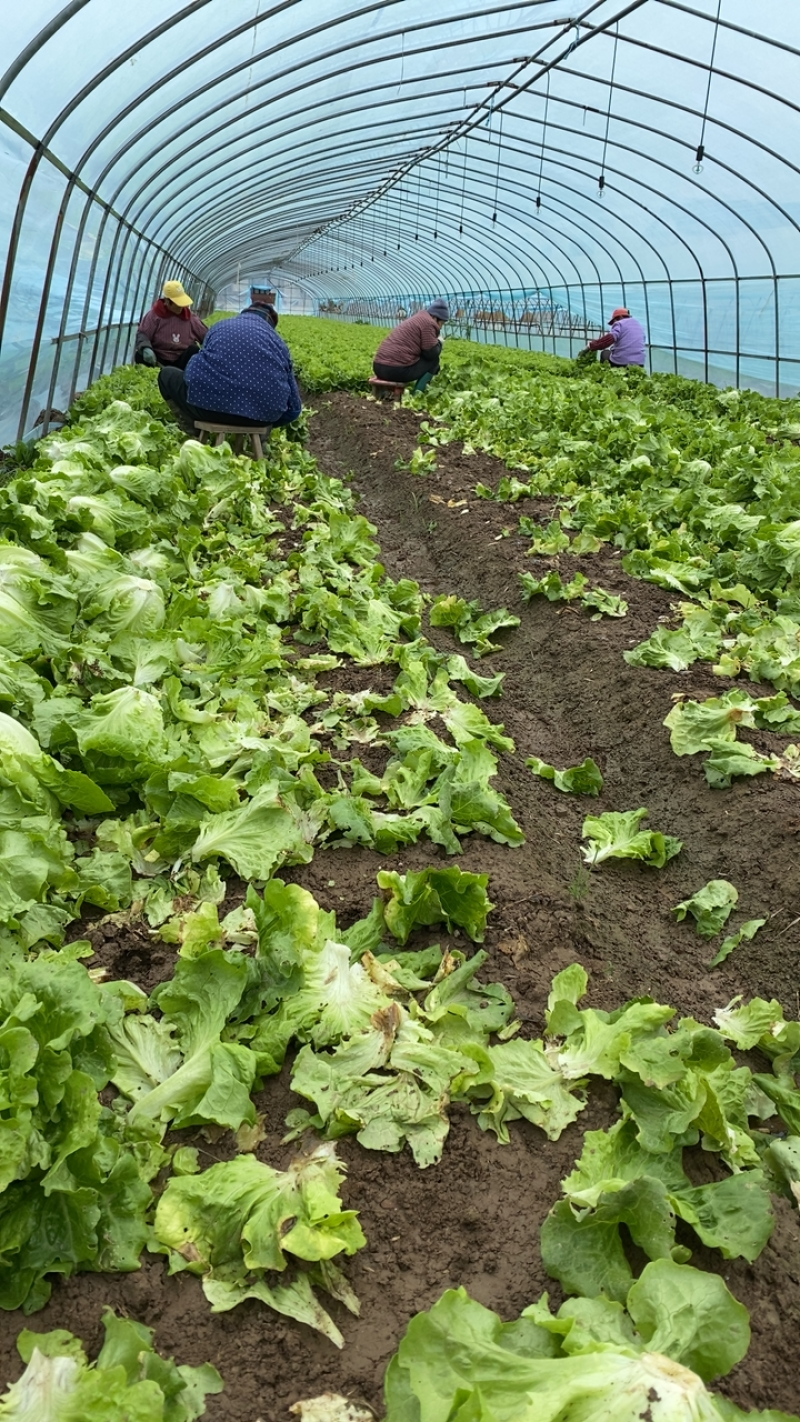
(441, 338)
(149, 356)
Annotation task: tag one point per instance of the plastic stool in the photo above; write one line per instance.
(386, 389)
(235, 434)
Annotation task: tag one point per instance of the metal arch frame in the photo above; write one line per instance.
(201, 176)
(589, 200)
(638, 124)
(728, 25)
(401, 209)
(600, 282)
(308, 280)
(523, 283)
(307, 109)
(271, 80)
(479, 116)
(87, 89)
(736, 276)
(674, 203)
(349, 68)
(734, 267)
(674, 232)
(39, 40)
(204, 215)
(70, 10)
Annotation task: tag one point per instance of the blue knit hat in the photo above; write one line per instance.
(439, 308)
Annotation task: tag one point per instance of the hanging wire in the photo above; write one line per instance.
(497, 169)
(436, 197)
(701, 151)
(419, 189)
(601, 182)
(544, 135)
(385, 222)
(463, 185)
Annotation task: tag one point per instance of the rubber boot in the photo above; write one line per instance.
(423, 382)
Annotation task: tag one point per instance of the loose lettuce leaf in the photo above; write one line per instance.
(129, 1382)
(241, 1222)
(710, 907)
(592, 1360)
(583, 779)
(421, 898)
(616, 835)
(745, 933)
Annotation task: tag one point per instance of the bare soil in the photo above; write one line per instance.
(475, 1218)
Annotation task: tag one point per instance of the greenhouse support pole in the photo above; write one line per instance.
(738, 358)
(125, 306)
(65, 310)
(37, 335)
(142, 285)
(777, 338)
(102, 320)
(705, 328)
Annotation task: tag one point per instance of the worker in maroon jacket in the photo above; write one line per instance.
(169, 333)
(412, 350)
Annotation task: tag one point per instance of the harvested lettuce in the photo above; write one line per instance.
(593, 1360)
(128, 1382)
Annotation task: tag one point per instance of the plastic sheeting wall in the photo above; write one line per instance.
(642, 150)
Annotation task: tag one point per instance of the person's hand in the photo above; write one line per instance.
(149, 356)
(441, 337)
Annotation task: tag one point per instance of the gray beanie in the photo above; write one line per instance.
(439, 308)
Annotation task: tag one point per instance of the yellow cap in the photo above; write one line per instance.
(173, 291)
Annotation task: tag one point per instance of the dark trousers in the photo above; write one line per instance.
(172, 384)
(403, 374)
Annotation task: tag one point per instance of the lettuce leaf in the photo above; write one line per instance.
(241, 1222)
(129, 1382)
(426, 896)
(710, 907)
(616, 835)
(583, 779)
(591, 1359)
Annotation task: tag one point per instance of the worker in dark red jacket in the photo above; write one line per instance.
(169, 333)
(412, 350)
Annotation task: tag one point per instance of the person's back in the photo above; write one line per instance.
(245, 369)
(629, 342)
(406, 343)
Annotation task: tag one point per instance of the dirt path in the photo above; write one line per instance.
(475, 1218)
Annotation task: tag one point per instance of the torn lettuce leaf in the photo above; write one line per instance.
(616, 835)
(583, 779)
(240, 1223)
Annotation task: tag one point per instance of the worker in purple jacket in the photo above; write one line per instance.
(625, 342)
(170, 333)
(412, 350)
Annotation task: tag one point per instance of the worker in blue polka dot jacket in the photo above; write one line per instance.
(242, 376)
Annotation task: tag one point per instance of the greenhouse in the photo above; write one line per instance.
(399, 711)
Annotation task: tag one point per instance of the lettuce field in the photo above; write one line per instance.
(399, 906)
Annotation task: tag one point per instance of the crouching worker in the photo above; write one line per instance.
(242, 376)
(624, 343)
(169, 334)
(412, 350)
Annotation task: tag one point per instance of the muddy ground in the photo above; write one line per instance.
(474, 1219)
